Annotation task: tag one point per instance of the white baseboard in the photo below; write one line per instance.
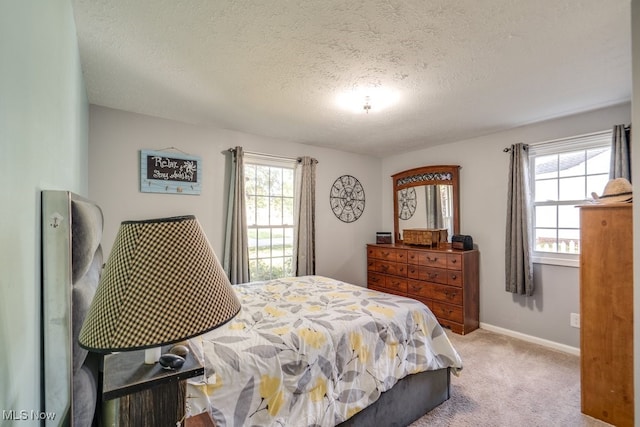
(530, 338)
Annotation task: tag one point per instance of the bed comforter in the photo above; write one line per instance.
(312, 351)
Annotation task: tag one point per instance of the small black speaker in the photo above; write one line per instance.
(462, 241)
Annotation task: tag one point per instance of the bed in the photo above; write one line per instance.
(314, 351)
(284, 360)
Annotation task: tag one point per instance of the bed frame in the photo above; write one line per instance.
(71, 266)
(72, 262)
(411, 397)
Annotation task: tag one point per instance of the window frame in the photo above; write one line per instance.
(270, 161)
(554, 147)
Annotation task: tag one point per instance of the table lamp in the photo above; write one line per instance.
(162, 284)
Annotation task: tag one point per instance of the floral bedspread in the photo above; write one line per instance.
(312, 351)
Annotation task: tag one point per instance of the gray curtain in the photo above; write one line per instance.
(434, 206)
(620, 153)
(304, 245)
(518, 262)
(236, 247)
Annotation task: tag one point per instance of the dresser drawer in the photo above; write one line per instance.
(387, 283)
(454, 261)
(394, 268)
(397, 284)
(435, 275)
(447, 311)
(374, 279)
(448, 294)
(418, 289)
(386, 290)
(388, 254)
(428, 259)
(454, 278)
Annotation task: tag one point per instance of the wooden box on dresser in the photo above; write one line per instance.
(606, 312)
(444, 279)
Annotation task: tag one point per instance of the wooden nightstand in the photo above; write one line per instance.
(135, 394)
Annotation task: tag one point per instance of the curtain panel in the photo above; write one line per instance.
(304, 248)
(620, 153)
(518, 261)
(236, 244)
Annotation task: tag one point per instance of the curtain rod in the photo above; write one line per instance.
(273, 156)
(586, 135)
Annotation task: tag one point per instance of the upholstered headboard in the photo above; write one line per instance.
(71, 263)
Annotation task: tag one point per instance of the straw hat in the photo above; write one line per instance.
(616, 190)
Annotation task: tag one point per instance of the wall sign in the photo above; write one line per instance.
(169, 172)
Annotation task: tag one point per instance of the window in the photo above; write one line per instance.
(269, 192)
(564, 173)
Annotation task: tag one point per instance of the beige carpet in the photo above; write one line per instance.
(510, 382)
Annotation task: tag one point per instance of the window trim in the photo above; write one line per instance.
(559, 146)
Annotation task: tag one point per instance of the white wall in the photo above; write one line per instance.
(43, 145)
(483, 198)
(116, 137)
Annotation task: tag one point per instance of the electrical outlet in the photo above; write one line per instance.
(574, 320)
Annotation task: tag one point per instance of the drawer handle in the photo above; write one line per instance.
(453, 261)
(384, 267)
(432, 259)
(375, 279)
(450, 295)
(415, 288)
(433, 275)
(454, 277)
(386, 254)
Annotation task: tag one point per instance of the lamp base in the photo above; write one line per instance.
(152, 355)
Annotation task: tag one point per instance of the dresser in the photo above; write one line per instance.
(444, 279)
(606, 313)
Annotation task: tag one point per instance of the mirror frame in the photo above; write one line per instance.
(427, 175)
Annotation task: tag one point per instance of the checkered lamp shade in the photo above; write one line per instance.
(162, 284)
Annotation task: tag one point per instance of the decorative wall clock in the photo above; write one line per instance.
(347, 198)
(406, 202)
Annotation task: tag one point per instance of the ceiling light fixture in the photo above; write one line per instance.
(352, 100)
(366, 106)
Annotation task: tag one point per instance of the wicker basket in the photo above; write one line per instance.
(424, 236)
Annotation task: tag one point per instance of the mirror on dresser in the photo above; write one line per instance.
(426, 197)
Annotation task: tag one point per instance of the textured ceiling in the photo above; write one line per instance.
(459, 68)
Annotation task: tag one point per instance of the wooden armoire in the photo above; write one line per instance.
(606, 312)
